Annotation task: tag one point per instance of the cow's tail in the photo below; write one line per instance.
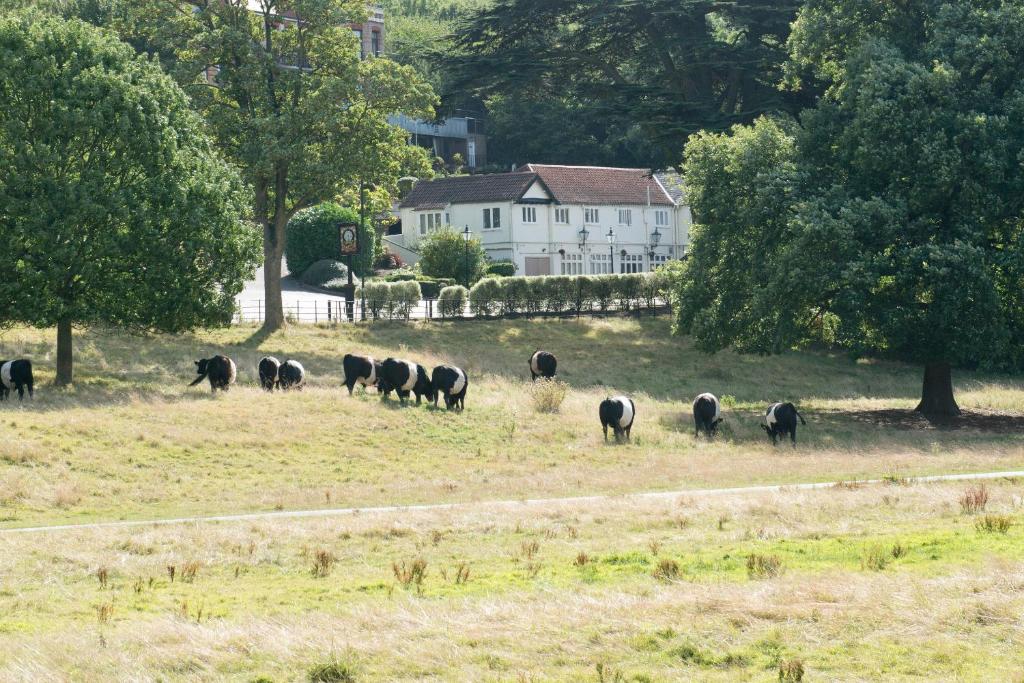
(198, 379)
(802, 421)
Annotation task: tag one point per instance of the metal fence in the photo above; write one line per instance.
(326, 310)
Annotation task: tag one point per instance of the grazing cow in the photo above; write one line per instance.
(543, 364)
(618, 413)
(707, 414)
(220, 370)
(780, 419)
(360, 370)
(452, 382)
(293, 375)
(16, 374)
(269, 369)
(403, 377)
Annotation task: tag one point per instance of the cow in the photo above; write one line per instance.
(452, 382)
(269, 368)
(360, 370)
(707, 414)
(404, 377)
(292, 375)
(617, 412)
(16, 374)
(220, 370)
(780, 419)
(543, 364)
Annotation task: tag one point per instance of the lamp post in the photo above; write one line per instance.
(611, 250)
(466, 236)
(655, 241)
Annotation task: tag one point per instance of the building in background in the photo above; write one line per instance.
(456, 135)
(567, 220)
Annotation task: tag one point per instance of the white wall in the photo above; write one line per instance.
(517, 240)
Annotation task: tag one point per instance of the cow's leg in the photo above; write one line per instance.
(629, 429)
(533, 375)
(605, 428)
(21, 391)
(792, 436)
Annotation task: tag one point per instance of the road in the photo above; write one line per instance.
(647, 495)
(300, 302)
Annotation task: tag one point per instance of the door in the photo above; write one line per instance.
(538, 265)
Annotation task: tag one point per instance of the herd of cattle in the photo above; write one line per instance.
(406, 377)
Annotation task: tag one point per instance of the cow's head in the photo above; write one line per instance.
(765, 428)
(201, 366)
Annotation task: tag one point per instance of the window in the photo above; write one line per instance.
(562, 216)
(625, 216)
(492, 219)
(661, 218)
(429, 222)
(658, 260)
(590, 216)
(572, 264)
(631, 263)
(375, 43)
(529, 214)
(599, 264)
(359, 39)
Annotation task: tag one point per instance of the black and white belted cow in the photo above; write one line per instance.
(269, 368)
(220, 370)
(780, 419)
(404, 377)
(618, 413)
(707, 414)
(452, 382)
(292, 375)
(360, 370)
(543, 364)
(16, 374)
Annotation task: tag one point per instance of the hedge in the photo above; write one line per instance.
(391, 300)
(565, 293)
(501, 268)
(451, 302)
(312, 235)
(324, 271)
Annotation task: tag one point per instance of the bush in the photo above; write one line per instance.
(431, 287)
(627, 289)
(312, 235)
(388, 261)
(603, 290)
(451, 302)
(485, 297)
(323, 271)
(548, 394)
(515, 292)
(443, 254)
(403, 275)
(403, 298)
(377, 294)
(501, 268)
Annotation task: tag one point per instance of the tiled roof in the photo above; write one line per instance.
(466, 189)
(672, 181)
(601, 185)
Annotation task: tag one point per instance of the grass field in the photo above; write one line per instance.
(886, 581)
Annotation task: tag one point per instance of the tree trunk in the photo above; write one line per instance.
(937, 391)
(64, 357)
(272, 254)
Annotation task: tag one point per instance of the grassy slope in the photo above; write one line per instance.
(130, 441)
(532, 607)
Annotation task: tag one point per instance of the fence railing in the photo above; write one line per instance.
(316, 311)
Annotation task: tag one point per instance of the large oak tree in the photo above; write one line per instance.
(291, 103)
(114, 207)
(892, 216)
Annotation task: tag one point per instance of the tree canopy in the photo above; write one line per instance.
(633, 78)
(114, 207)
(894, 224)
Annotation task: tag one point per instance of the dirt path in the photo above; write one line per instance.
(497, 504)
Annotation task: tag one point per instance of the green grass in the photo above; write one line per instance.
(131, 441)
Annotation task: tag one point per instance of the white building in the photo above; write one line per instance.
(552, 220)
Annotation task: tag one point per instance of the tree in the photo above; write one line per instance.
(114, 206)
(636, 77)
(313, 235)
(290, 103)
(903, 231)
(445, 254)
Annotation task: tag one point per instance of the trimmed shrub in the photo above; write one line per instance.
(627, 289)
(536, 296)
(431, 287)
(515, 292)
(451, 302)
(501, 268)
(377, 294)
(444, 254)
(312, 235)
(323, 271)
(603, 291)
(485, 297)
(403, 298)
(404, 275)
